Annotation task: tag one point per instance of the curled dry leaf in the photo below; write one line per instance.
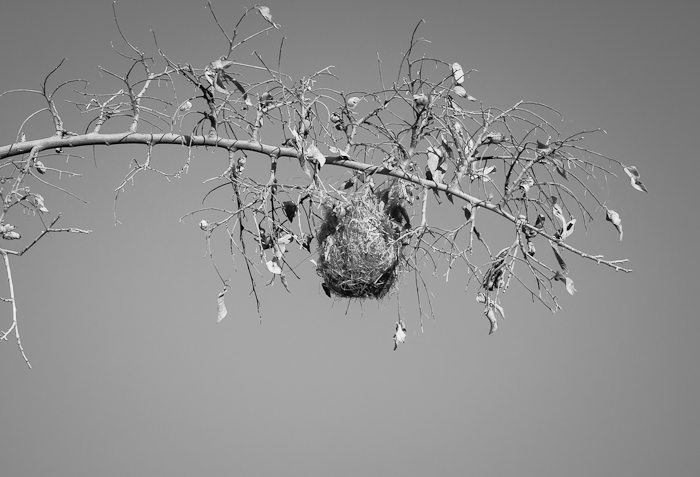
(467, 211)
(283, 279)
(568, 229)
(635, 180)
(312, 152)
(38, 201)
(265, 99)
(11, 235)
(557, 255)
(352, 102)
(566, 281)
(457, 73)
(285, 239)
(527, 184)
(40, 167)
(531, 249)
(221, 305)
(500, 309)
(221, 64)
(539, 223)
(203, 224)
(480, 297)
(273, 266)
(614, 217)
(488, 311)
(186, 106)
(493, 138)
(400, 334)
(265, 12)
(542, 148)
(483, 174)
(558, 213)
(290, 210)
(460, 91)
(340, 152)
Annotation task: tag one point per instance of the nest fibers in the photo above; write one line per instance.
(359, 247)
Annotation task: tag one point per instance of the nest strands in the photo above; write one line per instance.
(359, 248)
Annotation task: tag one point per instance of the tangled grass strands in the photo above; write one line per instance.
(359, 247)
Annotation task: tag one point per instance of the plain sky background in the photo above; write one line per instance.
(133, 376)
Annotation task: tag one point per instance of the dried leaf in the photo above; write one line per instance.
(539, 223)
(221, 64)
(527, 183)
(434, 159)
(562, 172)
(265, 99)
(38, 201)
(457, 73)
(186, 106)
(283, 279)
(203, 224)
(460, 91)
(285, 239)
(352, 102)
(11, 235)
(569, 285)
(273, 266)
(566, 280)
(559, 214)
(543, 148)
(291, 142)
(265, 12)
(568, 229)
(40, 167)
(480, 297)
(290, 210)
(400, 334)
(635, 180)
(557, 255)
(493, 138)
(467, 212)
(531, 249)
(632, 172)
(614, 217)
(313, 152)
(492, 319)
(306, 242)
(221, 305)
(340, 152)
(500, 310)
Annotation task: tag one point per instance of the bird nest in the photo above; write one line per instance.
(359, 247)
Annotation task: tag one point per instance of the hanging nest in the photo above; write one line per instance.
(359, 246)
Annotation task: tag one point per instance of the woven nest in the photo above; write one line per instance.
(359, 248)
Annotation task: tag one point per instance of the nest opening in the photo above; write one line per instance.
(359, 247)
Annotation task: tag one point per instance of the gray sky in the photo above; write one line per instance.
(133, 376)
